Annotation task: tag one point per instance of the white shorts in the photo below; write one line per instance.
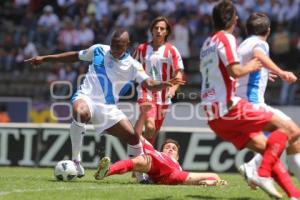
(276, 111)
(103, 116)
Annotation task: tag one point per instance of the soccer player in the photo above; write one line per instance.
(162, 167)
(110, 69)
(252, 86)
(161, 61)
(230, 117)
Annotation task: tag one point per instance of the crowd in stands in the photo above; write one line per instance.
(36, 27)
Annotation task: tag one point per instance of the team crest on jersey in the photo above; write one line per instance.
(84, 52)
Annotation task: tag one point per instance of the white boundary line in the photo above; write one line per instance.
(90, 127)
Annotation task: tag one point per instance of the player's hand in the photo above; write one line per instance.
(272, 76)
(171, 92)
(290, 77)
(176, 81)
(35, 61)
(255, 64)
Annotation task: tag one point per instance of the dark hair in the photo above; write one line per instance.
(258, 24)
(159, 19)
(169, 140)
(223, 14)
(117, 33)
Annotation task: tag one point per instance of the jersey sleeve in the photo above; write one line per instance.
(140, 52)
(176, 59)
(139, 74)
(87, 54)
(227, 49)
(263, 47)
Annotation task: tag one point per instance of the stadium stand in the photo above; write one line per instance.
(36, 27)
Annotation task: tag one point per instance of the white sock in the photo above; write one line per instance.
(293, 162)
(255, 161)
(77, 130)
(134, 150)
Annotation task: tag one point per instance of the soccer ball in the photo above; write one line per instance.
(65, 170)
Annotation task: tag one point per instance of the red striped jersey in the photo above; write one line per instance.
(165, 164)
(160, 65)
(218, 87)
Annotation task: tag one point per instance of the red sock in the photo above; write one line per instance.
(275, 146)
(120, 167)
(283, 179)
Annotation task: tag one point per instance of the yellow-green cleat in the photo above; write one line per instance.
(103, 168)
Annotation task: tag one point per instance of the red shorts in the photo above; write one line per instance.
(157, 112)
(162, 173)
(241, 123)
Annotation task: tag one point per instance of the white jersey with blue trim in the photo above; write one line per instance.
(253, 86)
(107, 77)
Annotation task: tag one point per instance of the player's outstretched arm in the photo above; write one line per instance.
(206, 179)
(236, 70)
(269, 64)
(159, 85)
(71, 56)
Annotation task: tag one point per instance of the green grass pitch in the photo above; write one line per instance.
(39, 183)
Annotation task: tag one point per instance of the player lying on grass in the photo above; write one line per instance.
(162, 167)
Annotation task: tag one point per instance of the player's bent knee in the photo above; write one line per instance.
(150, 129)
(81, 111)
(150, 126)
(293, 132)
(142, 163)
(82, 116)
(294, 136)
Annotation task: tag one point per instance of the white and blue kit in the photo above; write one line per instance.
(107, 78)
(253, 86)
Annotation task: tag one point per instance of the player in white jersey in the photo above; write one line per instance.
(161, 61)
(230, 117)
(252, 87)
(95, 101)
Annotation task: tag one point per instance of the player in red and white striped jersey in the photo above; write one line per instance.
(162, 167)
(230, 117)
(161, 61)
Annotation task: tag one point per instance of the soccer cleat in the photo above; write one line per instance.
(102, 168)
(266, 184)
(247, 172)
(79, 168)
